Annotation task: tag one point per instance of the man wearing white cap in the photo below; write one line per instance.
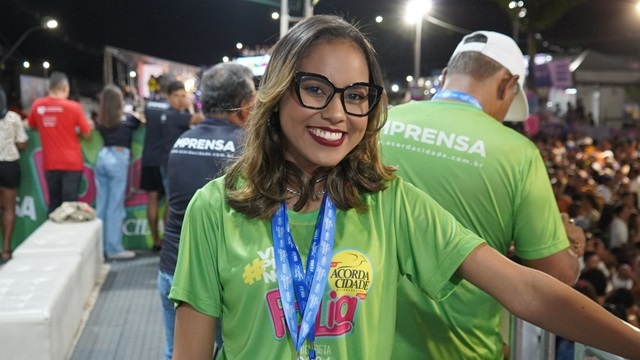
(491, 178)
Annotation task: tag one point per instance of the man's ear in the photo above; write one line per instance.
(444, 76)
(245, 109)
(515, 86)
(508, 87)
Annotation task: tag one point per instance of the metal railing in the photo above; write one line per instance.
(584, 352)
(522, 348)
(521, 333)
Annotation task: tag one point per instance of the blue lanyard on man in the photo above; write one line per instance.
(308, 287)
(457, 95)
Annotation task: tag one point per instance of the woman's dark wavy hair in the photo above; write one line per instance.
(111, 108)
(256, 182)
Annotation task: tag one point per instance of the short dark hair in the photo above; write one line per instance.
(474, 64)
(592, 200)
(618, 208)
(224, 87)
(621, 296)
(57, 80)
(586, 288)
(588, 255)
(163, 82)
(174, 86)
(597, 278)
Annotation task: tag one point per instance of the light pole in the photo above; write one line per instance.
(46, 23)
(285, 18)
(519, 12)
(415, 12)
(45, 66)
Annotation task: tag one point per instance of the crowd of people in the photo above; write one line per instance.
(391, 212)
(597, 183)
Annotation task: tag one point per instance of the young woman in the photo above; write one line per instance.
(311, 187)
(112, 167)
(13, 138)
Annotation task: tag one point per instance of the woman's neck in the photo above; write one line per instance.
(315, 201)
(310, 206)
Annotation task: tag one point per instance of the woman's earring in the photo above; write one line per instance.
(272, 122)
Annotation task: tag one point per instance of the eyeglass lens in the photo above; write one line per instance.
(316, 93)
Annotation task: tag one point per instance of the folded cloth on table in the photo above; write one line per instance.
(73, 211)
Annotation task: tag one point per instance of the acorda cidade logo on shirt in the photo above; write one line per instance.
(350, 278)
(350, 274)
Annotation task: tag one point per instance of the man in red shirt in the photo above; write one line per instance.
(58, 121)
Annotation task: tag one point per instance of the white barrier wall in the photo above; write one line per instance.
(44, 288)
(83, 240)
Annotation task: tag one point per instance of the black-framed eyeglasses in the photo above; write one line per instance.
(316, 91)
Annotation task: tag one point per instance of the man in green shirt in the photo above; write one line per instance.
(491, 178)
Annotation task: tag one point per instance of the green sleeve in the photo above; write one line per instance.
(196, 279)
(538, 229)
(431, 243)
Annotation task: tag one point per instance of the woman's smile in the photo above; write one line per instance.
(327, 137)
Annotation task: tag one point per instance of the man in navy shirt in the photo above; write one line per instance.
(198, 156)
(151, 178)
(175, 121)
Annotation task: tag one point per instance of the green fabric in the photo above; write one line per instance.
(226, 268)
(493, 180)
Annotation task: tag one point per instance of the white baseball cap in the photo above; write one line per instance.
(503, 50)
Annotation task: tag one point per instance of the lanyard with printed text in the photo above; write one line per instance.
(308, 287)
(457, 95)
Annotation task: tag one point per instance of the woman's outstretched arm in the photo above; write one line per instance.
(542, 300)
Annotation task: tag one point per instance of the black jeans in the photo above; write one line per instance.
(63, 186)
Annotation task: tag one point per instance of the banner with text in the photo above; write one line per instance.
(33, 198)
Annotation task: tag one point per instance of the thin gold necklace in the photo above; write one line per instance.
(315, 192)
(297, 193)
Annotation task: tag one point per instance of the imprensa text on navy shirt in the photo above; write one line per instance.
(197, 157)
(174, 123)
(153, 144)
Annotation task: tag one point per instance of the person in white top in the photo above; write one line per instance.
(12, 138)
(619, 228)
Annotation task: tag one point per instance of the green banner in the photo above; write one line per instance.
(31, 207)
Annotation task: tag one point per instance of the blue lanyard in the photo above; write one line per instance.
(457, 95)
(308, 287)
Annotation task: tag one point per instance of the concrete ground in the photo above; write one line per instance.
(125, 322)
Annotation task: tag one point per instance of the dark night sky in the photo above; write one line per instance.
(200, 32)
